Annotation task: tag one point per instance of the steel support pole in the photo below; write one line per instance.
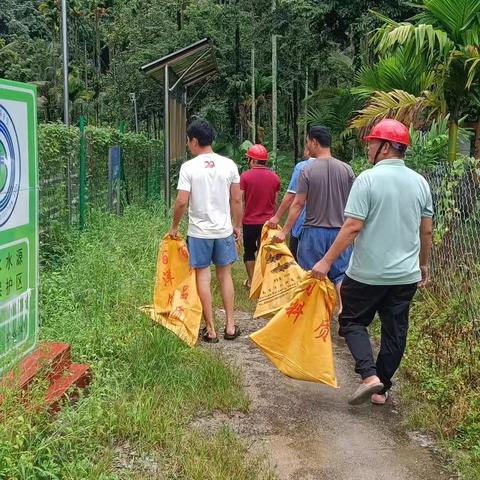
(66, 112)
(66, 116)
(166, 138)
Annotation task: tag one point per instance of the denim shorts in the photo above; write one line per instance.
(314, 244)
(204, 251)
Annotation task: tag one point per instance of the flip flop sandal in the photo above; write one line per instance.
(364, 392)
(246, 285)
(206, 338)
(380, 403)
(228, 336)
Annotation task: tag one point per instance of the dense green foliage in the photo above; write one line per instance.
(443, 363)
(147, 383)
(110, 40)
(428, 67)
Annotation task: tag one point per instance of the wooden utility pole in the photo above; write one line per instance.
(274, 94)
(254, 126)
(305, 111)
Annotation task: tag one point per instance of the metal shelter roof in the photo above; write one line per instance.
(190, 65)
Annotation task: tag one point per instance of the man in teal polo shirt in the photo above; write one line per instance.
(389, 215)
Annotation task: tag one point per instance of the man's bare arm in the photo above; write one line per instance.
(426, 231)
(179, 209)
(284, 206)
(293, 214)
(236, 209)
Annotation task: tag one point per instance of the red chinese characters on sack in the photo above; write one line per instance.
(168, 278)
(183, 251)
(296, 310)
(184, 292)
(323, 330)
(309, 289)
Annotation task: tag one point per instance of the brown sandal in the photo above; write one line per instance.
(228, 336)
(206, 338)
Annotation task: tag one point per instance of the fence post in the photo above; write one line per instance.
(147, 168)
(123, 178)
(82, 173)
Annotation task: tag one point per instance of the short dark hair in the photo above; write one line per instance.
(321, 134)
(260, 162)
(202, 131)
(400, 148)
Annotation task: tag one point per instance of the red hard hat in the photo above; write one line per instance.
(258, 152)
(390, 130)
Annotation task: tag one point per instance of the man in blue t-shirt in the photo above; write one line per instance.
(288, 200)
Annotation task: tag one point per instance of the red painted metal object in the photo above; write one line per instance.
(50, 361)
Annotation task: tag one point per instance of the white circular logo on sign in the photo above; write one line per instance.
(10, 166)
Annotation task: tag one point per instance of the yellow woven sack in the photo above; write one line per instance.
(297, 339)
(186, 311)
(172, 270)
(257, 279)
(281, 277)
(176, 304)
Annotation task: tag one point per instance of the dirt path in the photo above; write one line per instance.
(308, 431)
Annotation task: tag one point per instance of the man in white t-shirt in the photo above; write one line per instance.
(210, 185)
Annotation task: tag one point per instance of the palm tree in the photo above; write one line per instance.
(441, 46)
(334, 107)
(263, 91)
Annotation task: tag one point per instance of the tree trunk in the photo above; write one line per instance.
(97, 42)
(236, 104)
(237, 47)
(85, 63)
(287, 125)
(452, 140)
(295, 118)
(476, 151)
(179, 20)
(315, 80)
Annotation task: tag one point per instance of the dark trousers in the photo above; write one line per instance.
(360, 304)
(293, 246)
(251, 241)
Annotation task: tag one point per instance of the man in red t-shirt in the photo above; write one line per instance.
(260, 187)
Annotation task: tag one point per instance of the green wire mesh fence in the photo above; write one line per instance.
(60, 159)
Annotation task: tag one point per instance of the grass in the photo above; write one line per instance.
(441, 370)
(147, 384)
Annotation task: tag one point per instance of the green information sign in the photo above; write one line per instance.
(18, 222)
